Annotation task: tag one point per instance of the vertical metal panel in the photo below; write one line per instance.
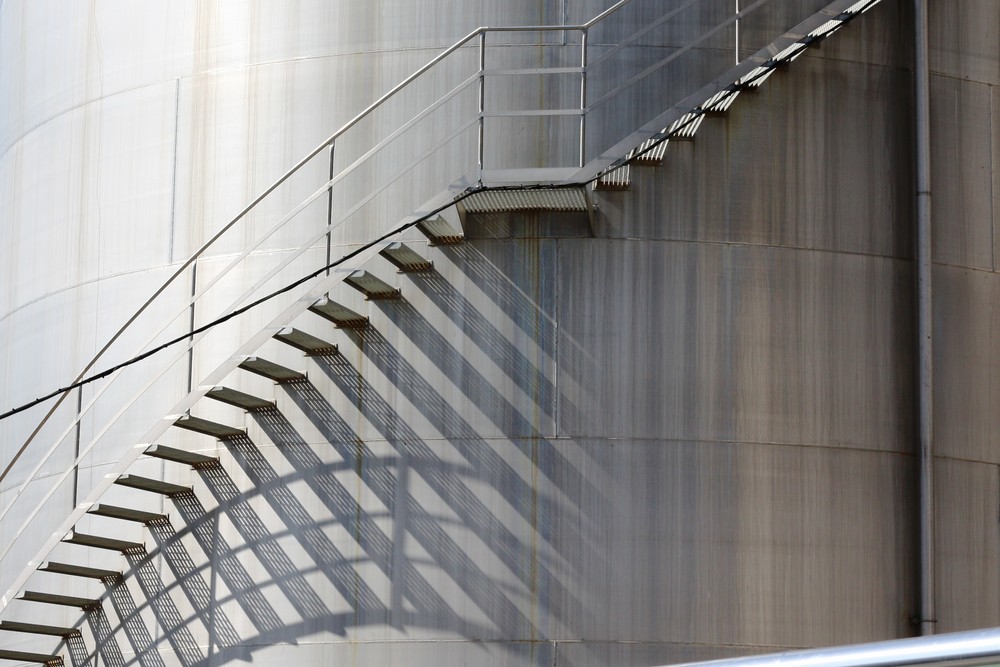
(964, 40)
(967, 360)
(962, 172)
(734, 342)
(995, 133)
(968, 545)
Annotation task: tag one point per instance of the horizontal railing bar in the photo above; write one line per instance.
(532, 112)
(533, 28)
(533, 70)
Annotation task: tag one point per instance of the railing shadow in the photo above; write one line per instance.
(105, 644)
(204, 527)
(383, 550)
(520, 554)
(187, 575)
(176, 630)
(79, 656)
(136, 632)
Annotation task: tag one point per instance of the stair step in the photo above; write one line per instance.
(685, 126)
(615, 180)
(79, 571)
(722, 100)
(36, 629)
(175, 455)
(271, 370)
(101, 542)
(569, 199)
(62, 600)
(24, 656)
(126, 514)
(405, 258)
(206, 427)
(439, 232)
(372, 287)
(151, 485)
(341, 316)
(238, 399)
(651, 152)
(307, 343)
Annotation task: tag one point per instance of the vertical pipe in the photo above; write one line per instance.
(583, 97)
(925, 321)
(482, 100)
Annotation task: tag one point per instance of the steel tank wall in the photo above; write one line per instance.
(128, 135)
(685, 438)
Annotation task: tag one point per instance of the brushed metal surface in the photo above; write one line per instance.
(968, 544)
(967, 365)
(687, 438)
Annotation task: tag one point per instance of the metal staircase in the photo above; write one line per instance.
(299, 345)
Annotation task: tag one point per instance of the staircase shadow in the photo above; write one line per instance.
(534, 564)
(105, 644)
(375, 473)
(523, 284)
(523, 371)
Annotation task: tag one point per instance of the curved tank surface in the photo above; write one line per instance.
(681, 429)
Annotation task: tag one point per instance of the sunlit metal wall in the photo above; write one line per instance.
(687, 437)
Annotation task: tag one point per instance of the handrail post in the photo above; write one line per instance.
(191, 323)
(583, 96)
(329, 211)
(737, 32)
(482, 101)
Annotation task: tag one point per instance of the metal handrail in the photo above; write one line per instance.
(180, 270)
(479, 33)
(482, 30)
